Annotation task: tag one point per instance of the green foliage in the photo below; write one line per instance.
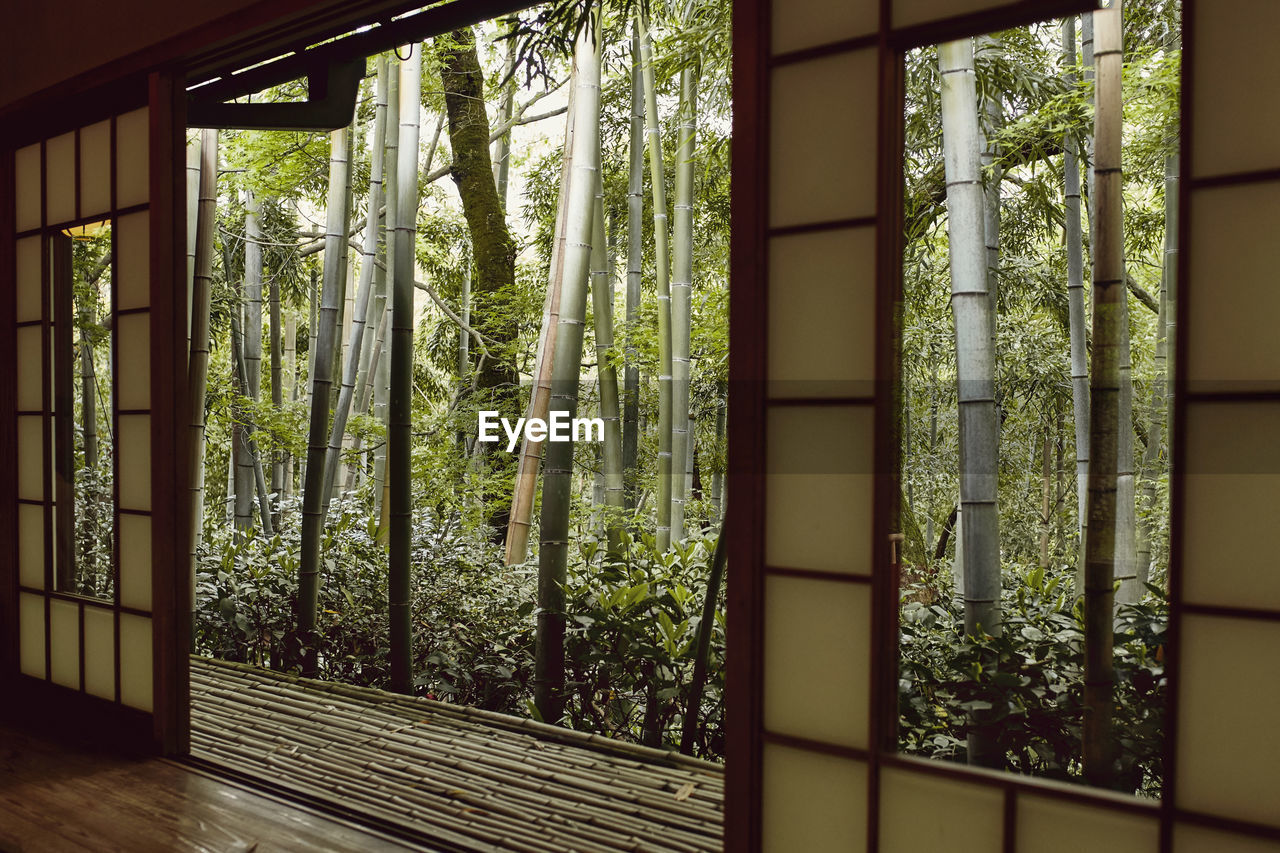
(633, 626)
(1026, 685)
(633, 620)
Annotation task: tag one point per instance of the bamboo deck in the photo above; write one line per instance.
(471, 779)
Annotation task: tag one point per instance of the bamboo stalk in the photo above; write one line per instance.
(1108, 296)
(198, 358)
(606, 373)
(657, 172)
(520, 522)
(548, 680)
(400, 401)
(635, 258)
(321, 380)
(681, 286)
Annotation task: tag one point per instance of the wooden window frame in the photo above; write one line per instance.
(264, 29)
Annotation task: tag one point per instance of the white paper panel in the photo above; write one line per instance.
(921, 812)
(64, 643)
(798, 24)
(1197, 839)
(135, 661)
(1062, 826)
(817, 659)
(812, 802)
(31, 545)
(133, 261)
(822, 314)
(1231, 487)
(1229, 689)
(29, 281)
(30, 458)
(907, 13)
(31, 634)
(823, 139)
(27, 189)
(133, 361)
(1235, 129)
(1233, 264)
(135, 561)
(133, 461)
(60, 178)
(95, 169)
(132, 174)
(818, 491)
(30, 369)
(99, 652)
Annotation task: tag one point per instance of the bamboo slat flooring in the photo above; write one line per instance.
(56, 798)
(465, 778)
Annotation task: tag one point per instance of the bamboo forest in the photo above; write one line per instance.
(460, 372)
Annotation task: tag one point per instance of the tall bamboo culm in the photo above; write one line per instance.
(1108, 339)
(662, 277)
(978, 545)
(606, 373)
(681, 288)
(382, 373)
(198, 359)
(521, 520)
(635, 259)
(1076, 309)
(548, 679)
(360, 309)
(321, 380)
(400, 400)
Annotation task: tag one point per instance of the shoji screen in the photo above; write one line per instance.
(123, 649)
(816, 275)
(1226, 760)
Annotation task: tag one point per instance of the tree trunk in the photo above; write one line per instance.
(1108, 338)
(992, 119)
(1157, 416)
(1074, 237)
(277, 393)
(975, 364)
(382, 375)
(400, 401)
(635, 259)
(681, 286)
(706, 627)
(321, 380)
(241, 372)
(520, 522)
(1130, 590)
(502, 148)
(360, 310)
(194, 158)
(657, 172)
(717, 472)
(240, 437)
(978, 548)
(497, 380)
(88, 389)
(548, 680)
(1046, 497)
(464, 349)
(606, 373)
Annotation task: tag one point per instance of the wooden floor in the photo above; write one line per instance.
(57, 798)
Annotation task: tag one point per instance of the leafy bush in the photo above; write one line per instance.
(632, 634)
(1026, 685)
(632, 624)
